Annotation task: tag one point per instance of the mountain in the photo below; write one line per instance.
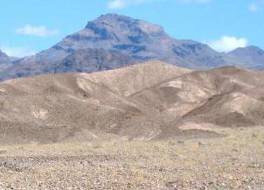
(252, 56)
(144, 102)
(139, 40)
(112, 41)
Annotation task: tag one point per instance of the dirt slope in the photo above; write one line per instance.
(146, 101)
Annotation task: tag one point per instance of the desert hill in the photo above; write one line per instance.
(147, 101)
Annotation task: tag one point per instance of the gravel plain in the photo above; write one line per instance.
(235, 161)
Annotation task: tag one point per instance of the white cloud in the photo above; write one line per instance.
(18, 51)
(228, 43)
(40, 31)
(120, 4)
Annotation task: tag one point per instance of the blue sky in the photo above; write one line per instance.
(29, 26)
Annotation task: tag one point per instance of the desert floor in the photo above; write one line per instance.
(235, 161)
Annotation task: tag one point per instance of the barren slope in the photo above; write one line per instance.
(146, 101)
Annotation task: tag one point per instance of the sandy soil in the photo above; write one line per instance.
(235, 161)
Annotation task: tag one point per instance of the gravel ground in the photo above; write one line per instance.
(235, 161)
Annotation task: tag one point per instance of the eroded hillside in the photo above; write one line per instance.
(146, 101)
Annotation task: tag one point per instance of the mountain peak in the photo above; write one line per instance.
(249, 50)
(121, 22)
(253, 56)
(114, 16)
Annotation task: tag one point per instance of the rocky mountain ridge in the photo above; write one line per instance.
(113, 41)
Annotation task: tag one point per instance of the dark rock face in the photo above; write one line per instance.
(112, 41)
(91, 60)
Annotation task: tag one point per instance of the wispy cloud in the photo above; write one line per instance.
(253, 7)
(40, 31)
(117, 4)
(18, 51)
(195, 1)
(256, 6)
(228, 43)
(120, 4)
